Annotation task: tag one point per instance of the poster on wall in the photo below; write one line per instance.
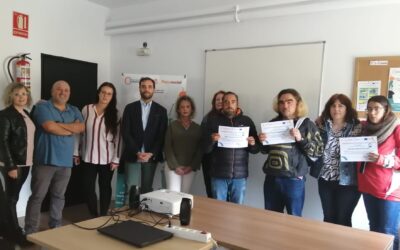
(394, 88)
(168, 89)
(366, 90)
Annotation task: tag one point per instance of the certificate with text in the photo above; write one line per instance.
(233, 137)
(277, 132)
(353, 149)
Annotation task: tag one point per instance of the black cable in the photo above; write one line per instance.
(114, 215)
(93, 228)
(159, 221)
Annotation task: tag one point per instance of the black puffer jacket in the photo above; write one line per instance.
(13, 138)
(230, 163)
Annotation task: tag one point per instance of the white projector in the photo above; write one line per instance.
(164, 201)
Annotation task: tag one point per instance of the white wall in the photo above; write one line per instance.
(348, 33)
(73, 29)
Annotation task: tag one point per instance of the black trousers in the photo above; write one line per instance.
(206, 164)
(12, 189)
(3, 215)
(105, 175)
(338, 201)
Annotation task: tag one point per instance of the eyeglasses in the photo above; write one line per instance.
(376, 109)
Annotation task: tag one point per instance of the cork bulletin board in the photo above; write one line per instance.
(376, 76)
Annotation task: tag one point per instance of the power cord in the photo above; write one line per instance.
(114, 215)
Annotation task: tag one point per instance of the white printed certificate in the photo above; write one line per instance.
(233, 137)
(277, 132)
(354, 149)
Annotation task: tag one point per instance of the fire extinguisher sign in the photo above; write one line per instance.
(20, 24)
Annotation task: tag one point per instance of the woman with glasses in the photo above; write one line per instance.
(337, 181)
(378, 179)
(100, 147)
(16, 150)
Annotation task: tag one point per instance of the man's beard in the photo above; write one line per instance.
(229, 113)
(146, 97)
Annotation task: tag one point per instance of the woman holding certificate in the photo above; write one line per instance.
(379, 180)
(337, 181)
(182, 147)
(287, 163)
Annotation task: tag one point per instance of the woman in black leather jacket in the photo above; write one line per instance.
(16, 150)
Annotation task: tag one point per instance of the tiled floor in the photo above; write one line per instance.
(71, 214)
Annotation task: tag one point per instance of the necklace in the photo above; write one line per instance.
(337, 127)
(186, 123)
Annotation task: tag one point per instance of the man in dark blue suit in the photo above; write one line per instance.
(143, 127)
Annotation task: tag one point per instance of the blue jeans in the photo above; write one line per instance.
(338, 201)
(383, 216)
(281, 192)
(236, 189)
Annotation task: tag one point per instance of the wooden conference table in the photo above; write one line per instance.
(71, 237)
(237, 227)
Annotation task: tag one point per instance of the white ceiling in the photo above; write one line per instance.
(130, 16)
(112, 4)
(118, 3)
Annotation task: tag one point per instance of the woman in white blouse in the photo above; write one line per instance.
(100, 147)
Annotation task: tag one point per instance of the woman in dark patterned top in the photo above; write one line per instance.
(337, 181)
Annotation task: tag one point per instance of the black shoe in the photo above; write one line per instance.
(22, 241)
(10, 235)
(5, 245)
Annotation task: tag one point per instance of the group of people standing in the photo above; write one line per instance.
(340, 184)
(45, 140)
(56, 134)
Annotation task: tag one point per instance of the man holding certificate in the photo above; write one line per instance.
(287, 163)
(229, 138)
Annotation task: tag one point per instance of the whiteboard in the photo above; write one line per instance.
(257, 74)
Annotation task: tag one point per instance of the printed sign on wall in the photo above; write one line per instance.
(20, 24)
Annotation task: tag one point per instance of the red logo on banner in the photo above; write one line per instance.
(20, 24)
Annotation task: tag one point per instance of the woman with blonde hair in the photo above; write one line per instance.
(182, 147)
(287, 164)
(16, 152)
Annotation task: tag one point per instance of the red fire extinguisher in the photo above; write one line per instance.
(22, 70)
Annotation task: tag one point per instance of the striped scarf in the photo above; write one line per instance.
(383, 129)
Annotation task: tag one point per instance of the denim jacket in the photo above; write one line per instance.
(347, 170)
